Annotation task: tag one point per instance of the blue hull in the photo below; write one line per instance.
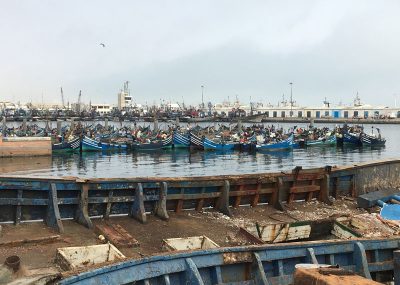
(164, 144)
(283, 145)
(181, 141)
(210, 145)
(67, 146)
(89, 144)
(113, 146)
(351, 139)
(263, 264)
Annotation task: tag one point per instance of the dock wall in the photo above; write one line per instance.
(24, 146)
(54, 199)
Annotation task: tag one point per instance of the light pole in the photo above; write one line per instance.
(291, 99)
(202, 96)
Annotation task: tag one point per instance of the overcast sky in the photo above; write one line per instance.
(168, 49)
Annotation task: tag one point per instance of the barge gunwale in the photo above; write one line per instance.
(176, 263)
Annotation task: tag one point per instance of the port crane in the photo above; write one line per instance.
(78, 105)
(62, 98)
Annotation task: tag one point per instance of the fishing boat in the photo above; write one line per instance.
(89, 144)
(352, 139)
(113, 146)
(211, 145)
(371, 140)
(153, 145)
(248, 144)
(286, 144)
(325, 141)
(180, 140)
(196, 142)
(70, 145)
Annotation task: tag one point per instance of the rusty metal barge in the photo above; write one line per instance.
(131, 212)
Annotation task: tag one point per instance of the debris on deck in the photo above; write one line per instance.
(274, 233)
(117, 235)
(189, 243)
(71, 258)
(342, 230)
(329, 276)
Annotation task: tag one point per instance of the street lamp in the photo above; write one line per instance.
(291, 99)
(202, 96)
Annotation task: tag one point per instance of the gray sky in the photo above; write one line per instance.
(168, 49)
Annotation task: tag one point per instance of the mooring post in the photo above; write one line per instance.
(324, 190)
(53, 217)
(161, 205)
(4, 127)
(276, 197)
(82, 213)
(223, 201)
(155, 124)
(396, 264)
(138, 210)
(59, 128)
(24, 127)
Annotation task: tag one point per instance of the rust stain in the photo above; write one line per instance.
(237, 257)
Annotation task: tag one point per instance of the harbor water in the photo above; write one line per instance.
(173, 163)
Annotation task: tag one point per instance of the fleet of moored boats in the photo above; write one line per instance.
(254, 138)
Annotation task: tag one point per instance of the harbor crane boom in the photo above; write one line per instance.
(79, 102)
(62, 98)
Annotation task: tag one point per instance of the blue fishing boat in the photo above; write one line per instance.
(181, 141)
(113, 146)
(89, 144)
(369, 140)
(372, 140)
(352, 139)
(196, 142)
(329, 141)
(248, 145)
(153, 145)
(70, 145)
(211, 145)
(286, 144)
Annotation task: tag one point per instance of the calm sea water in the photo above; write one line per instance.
(185, 163)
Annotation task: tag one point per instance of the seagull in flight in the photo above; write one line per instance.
(103, 45)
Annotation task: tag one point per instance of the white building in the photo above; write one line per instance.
(102, 109)
(357, 110)
(226, 107)
(124, 98)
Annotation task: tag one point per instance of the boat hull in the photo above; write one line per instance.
(67, 146)
(181, 141)
(210, 145)
(368, 140)
(89, 144)
(164, 144)
(330, 141)
(279, 146)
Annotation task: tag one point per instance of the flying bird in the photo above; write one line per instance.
(103, 45)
